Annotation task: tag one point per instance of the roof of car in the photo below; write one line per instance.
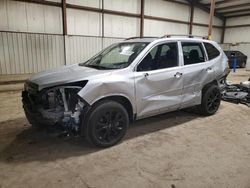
(143, 39)
(151, 39)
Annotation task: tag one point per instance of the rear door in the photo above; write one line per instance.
(197, 71)
(158, 81)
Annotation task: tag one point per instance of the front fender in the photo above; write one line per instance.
(111, 86)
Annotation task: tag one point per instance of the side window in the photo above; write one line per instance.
(212, 52)
(160, 57)
(193, 53)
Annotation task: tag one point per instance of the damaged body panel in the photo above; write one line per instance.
(132, 79)
(237, 93)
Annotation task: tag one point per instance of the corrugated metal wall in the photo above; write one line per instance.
(240, 34)
(24, 50)
(80, 49)
(163, 28)
(27, 53)
(203, 18)
(30, 17)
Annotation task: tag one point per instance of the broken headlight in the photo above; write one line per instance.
(63, 104)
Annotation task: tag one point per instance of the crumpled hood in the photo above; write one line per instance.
(66, 74)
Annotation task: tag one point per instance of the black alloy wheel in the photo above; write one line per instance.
(211, 98)
(108, 124)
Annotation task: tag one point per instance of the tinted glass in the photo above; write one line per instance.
(212, 52)
(193, 53)
(160, 57)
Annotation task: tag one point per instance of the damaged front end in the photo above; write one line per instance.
(55, 106)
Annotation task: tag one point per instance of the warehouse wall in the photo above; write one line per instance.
(239, 34)
(30, 39)
(31, 35)
(30, 17)
(158, 8)
(203, 18)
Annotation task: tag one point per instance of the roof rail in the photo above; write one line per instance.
(188, 36)
(139, 38)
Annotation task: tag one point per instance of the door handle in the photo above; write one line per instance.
(146, 74)
(208, 69)
(178, 75)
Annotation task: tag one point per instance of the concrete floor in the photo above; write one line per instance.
(178, 149)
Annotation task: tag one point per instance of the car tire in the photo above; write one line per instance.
(34, 124)
(243, 64)
(107, 123)
(211, 98)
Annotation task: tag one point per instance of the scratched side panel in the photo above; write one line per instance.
(158, 92)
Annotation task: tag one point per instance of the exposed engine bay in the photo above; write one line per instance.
(56, 106)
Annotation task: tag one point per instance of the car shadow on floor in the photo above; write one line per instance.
(27, 144)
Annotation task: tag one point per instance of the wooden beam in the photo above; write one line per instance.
(237, 26)
(34, 33)
(64, 17)
(233, 6)
(206, 25)
(220, 2)
(92, 9)
(142, 18)
(177, 2)
(165, 19)
(201, 6)
(191, 19)
(177, 21)
(238, 15)
(105, 11)
(102, 18)
(42, 2)
(236, 11)
(210, 26)
(223, 31)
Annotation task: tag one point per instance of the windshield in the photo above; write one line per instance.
(116, 56)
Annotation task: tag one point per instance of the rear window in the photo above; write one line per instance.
(193, 53)
(212, 52)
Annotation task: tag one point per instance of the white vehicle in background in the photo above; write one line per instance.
(129, 80)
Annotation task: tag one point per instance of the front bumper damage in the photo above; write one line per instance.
(59, 106)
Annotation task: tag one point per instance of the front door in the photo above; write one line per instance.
(158, 81)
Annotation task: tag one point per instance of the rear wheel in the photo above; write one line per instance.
(211, 98)
(107, 124)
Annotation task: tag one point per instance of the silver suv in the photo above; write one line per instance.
(129, 80)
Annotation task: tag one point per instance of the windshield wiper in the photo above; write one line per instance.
(98, 67)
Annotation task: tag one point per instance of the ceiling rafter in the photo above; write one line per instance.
(221, 2)
(238, 15)
(197, 3)
(236, 11)
(242, 8)
(233, 6)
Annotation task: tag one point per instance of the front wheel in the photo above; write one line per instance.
(107, 124)
(211, 98)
